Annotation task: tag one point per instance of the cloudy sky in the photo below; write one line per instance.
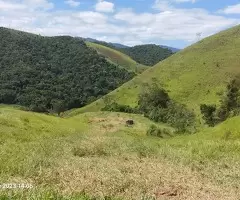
(176, 23)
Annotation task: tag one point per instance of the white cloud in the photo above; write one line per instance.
(178, 24)
(43, 4)
(72, 3)
(163, 5)
(234, 9)
(11, 6)
(126, 26)
(91, 17)
(104, 6)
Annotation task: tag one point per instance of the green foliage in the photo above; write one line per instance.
(158, 132)
(208, 112)
(156, 104)
(153, 97)
(229, 107)
(36, 71)
(149, 54)
(58, 107)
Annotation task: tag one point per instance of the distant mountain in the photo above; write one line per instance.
(120, 46)
(174, 50)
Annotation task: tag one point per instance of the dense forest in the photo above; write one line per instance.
(53, 73)
(149, 54)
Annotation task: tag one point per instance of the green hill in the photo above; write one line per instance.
(149, 54)
(195, 75)
(118, 58)
(75, 158)
(44, 73)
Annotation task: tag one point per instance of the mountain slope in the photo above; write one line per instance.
(118, 58)
(47, 72)
(149, 54)
(193, 76)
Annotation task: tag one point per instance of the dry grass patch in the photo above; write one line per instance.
(134, 178)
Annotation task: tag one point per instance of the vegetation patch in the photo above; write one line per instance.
(155, 103)
(158, 132)
(229, 105)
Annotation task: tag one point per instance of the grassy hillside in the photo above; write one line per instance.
(118, 58)
(47, 72)
(193, 76)
(95, 154)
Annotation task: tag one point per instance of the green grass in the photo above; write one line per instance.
(118, 58)
(97, 155)
(193, 76)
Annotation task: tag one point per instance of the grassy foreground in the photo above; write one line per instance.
(97, 155)
(118, 58)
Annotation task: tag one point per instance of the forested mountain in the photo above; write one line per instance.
(44, 73)
(149, 54)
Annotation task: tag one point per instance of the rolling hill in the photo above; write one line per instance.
(75, 158)
(193, 76)
(44, 73)
(118, 57)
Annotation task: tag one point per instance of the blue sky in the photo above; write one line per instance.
(176, 23)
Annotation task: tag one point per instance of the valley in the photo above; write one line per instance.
(66, 107)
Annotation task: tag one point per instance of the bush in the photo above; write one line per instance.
(208, 112)
(155, 103)
(229, 107)
(157, 132)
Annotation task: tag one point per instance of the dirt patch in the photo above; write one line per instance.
(107, 125)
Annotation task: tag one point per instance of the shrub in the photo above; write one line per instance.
(157, 132)
(156, 104)
(229, 105)
(208, 112)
